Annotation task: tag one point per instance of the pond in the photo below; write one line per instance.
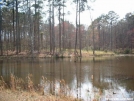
(99, 77)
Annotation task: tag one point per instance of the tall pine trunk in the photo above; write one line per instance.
(14, 41)
(50, 26)
(76, 26)
(17, 34)
(79, 30)
(63, 32)
(1, 48)
(38, 31)
(59, 27)
(53, 31)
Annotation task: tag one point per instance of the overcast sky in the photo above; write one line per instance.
(121, 7)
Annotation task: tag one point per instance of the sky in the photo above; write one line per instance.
(121, 7)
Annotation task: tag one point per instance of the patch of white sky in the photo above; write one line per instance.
(121, 7)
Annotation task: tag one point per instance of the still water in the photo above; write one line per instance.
(101, 78)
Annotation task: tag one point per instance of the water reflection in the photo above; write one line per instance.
(110, 77)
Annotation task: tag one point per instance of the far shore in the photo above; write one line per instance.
(63, 54)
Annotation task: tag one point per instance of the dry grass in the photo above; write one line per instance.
(97, 53)
(65, 53)
(3, 85)
(8, 95)
(18, 90)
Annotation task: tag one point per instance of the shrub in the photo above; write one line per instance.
(127, 51)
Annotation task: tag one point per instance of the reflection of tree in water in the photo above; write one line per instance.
(80, 79)
(118, 72)
(77, 82)
(100, 70)
(1, 67)
(18, 63)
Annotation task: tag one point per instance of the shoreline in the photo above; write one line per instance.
(25, 90)
(9, 95)
(64, 56)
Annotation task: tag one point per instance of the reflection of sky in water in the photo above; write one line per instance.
(114, 90)
(89, 92)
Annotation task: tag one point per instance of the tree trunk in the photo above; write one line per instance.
(99, 36)
(93, 40)
(59, 28)
(35, 27)
(111, 36)
(1, 48)
(79, 31)
(63, 33)
(76, 29)
(14, 41)
(17, 34)
(50, 25)
(30, 30)
(38, 31)
(53, 31)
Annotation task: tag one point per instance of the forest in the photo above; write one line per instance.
(35, 36)
(29, 26)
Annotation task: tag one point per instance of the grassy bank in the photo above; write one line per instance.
(20, 90)
(62, 54)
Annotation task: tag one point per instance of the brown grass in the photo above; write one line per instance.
(18, 90)
(65, 53)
